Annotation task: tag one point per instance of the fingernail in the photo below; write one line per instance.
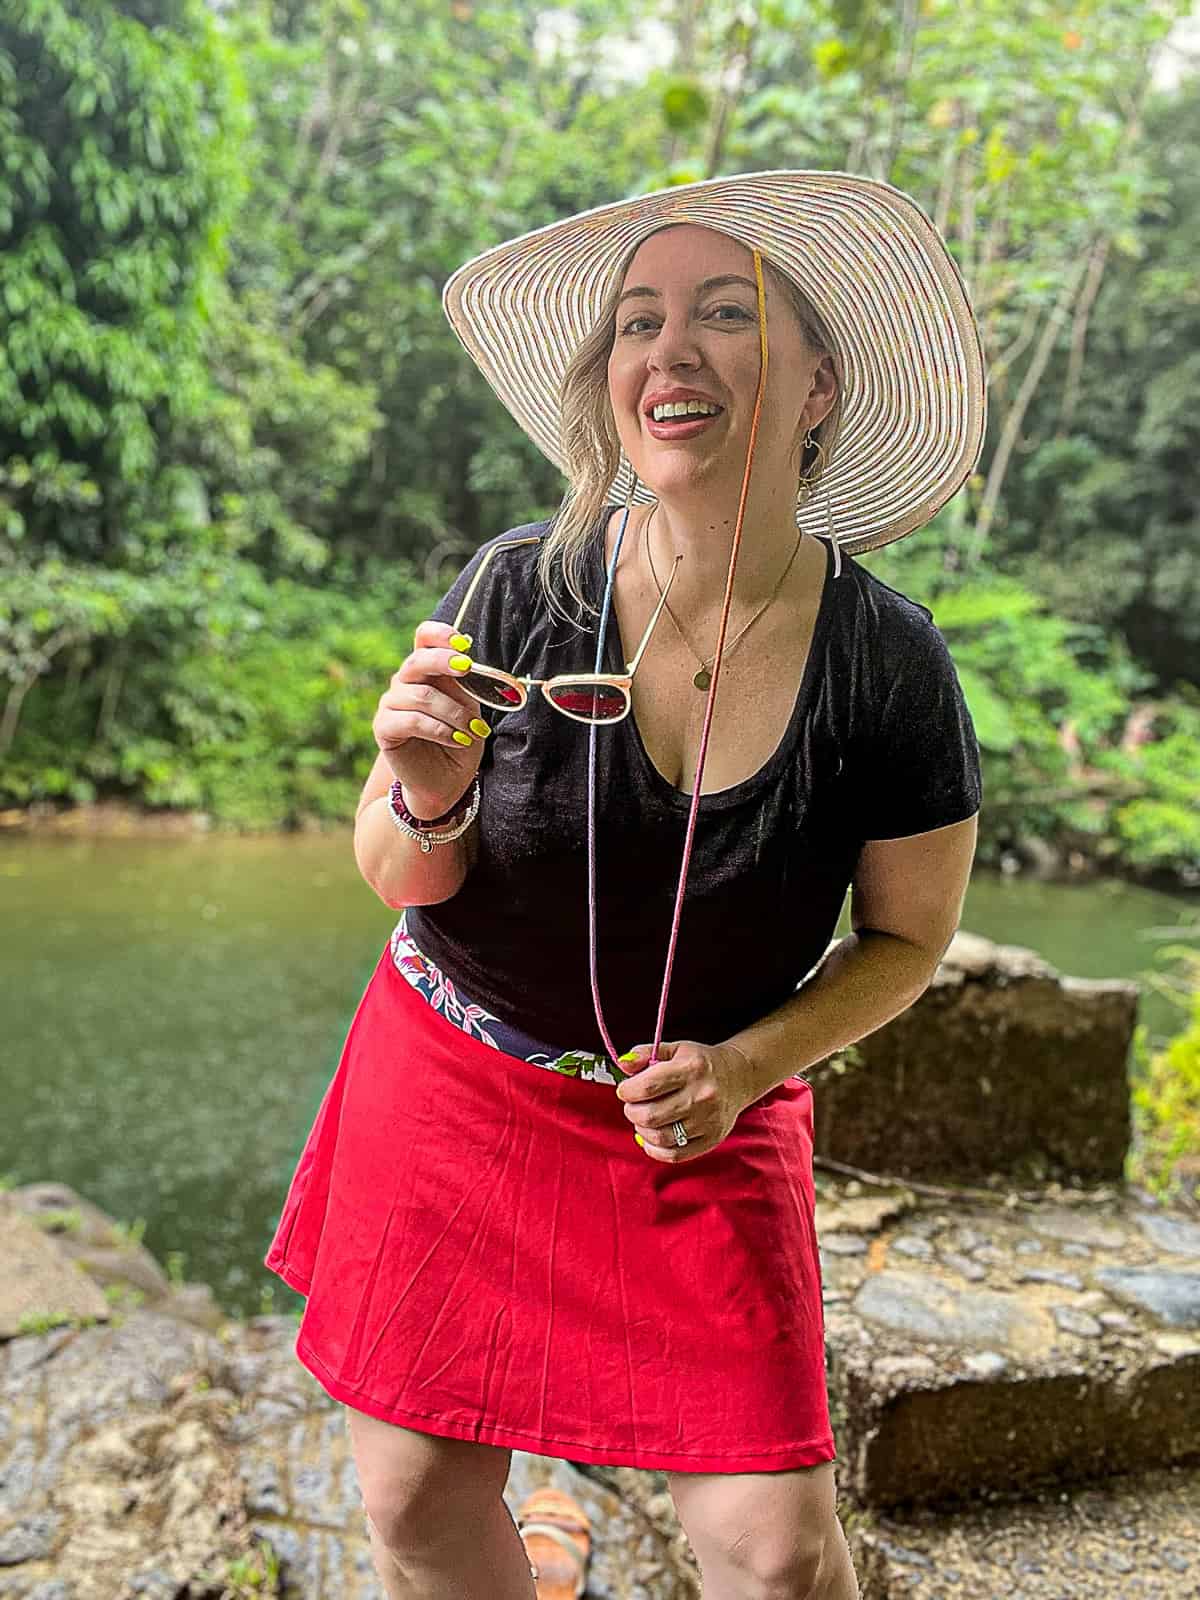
(460, 641)
(630, 1055)
(640, 1140)
(479, 726)
(462, 738)
(461, 663)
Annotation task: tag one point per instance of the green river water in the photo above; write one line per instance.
(173, 1010)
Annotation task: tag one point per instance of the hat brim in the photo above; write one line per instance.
(914, 407)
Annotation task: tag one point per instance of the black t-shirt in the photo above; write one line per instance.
(880, 745)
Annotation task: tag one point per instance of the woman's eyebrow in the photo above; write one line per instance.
(709, 283)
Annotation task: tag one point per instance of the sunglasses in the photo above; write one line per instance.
(582, 696)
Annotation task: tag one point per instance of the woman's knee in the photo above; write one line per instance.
(420, 1490)
(762, 1536)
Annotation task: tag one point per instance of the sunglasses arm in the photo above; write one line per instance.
(512, 544)
(632, 666)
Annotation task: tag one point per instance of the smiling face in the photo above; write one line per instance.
(689, 330)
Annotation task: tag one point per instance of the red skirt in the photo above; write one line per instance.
(488, 1255)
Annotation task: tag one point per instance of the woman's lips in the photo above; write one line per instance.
(680, 427)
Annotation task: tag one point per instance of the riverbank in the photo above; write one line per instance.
(1030, 857)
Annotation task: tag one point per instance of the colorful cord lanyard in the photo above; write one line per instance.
(708, 713)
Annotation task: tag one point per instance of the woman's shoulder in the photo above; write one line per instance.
(884, 624)
(879, 602)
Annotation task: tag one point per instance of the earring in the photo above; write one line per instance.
(808, 479)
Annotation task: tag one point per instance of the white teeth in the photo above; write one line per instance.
(685, 408)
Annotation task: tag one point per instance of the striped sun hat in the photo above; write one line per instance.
(906, 344)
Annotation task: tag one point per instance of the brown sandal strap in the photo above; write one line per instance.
(562, 1537)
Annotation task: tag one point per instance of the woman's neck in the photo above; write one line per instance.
(705, 541)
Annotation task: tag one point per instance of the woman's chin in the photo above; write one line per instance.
(680, 480)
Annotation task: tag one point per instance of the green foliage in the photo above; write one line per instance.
(253, 1576)
(1166, 1100)
(241, 450)
(120, 182)
(262, 719)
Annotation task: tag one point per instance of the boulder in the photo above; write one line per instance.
(1002, 1067)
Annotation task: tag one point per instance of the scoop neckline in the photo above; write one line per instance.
(719, 799)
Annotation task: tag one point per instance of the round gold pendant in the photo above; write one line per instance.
(703, 678)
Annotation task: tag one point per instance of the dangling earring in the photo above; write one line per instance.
(809, 477)
(807, 481)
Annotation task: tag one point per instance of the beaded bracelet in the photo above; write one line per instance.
(420, 828)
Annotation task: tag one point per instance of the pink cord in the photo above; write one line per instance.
(708, 714)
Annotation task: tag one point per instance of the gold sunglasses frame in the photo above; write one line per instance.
(622, 681)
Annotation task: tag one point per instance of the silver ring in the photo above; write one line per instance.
(680, 1133)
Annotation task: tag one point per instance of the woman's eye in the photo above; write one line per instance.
(738, 312)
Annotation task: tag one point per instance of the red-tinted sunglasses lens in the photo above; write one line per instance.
(597, 702)
(490, 691)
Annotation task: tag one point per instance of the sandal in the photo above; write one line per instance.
(551, 1515)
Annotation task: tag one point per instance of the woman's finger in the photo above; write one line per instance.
(439, 635)
(394, 729)
(436, 700)
(443, 663)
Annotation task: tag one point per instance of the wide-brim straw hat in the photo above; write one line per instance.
(907, 346)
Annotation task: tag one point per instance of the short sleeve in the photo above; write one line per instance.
(922, 768)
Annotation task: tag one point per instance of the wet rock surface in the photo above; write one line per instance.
(962, 1368)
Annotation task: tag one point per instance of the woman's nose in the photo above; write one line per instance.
(674, 346)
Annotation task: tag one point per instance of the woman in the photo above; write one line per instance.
(617, 1263)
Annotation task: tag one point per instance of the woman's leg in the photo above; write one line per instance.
(436, 1517)
(766, 1535)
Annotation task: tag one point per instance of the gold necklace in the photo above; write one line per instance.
(703, 678)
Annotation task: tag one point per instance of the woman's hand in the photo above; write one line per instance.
(427, 726)
(704, 1086)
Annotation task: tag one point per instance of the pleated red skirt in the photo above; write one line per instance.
(488, 1255)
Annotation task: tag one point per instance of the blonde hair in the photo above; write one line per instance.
(592, 448)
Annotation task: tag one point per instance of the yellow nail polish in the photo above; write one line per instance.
(461, 663)
(479, 726)
(460, 641)
(640, 1140)
(630, 1055)
(462, 738)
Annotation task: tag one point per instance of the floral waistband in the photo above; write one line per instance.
(432, 983)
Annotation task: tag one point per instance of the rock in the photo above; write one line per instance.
(844, 1244)
(1171, 1233)
(865, 1214)
(1064, 1280)
(890, 1367)
(1080, 1228)
(37, 1280)
(925, 1308)
(1045, 1090)
(985, 1363)
(1177, 1344)
(1171, 1296)
(964, 1266)
(911, 1244)
(135, 1267)
(1078, 1322)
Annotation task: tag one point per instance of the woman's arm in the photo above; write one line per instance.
(906, 904)
(395, 866)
